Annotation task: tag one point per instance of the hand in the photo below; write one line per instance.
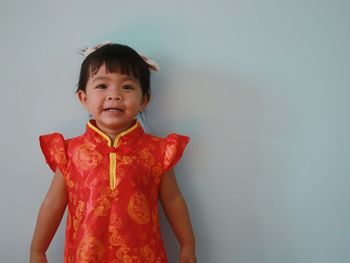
(37, 257)
(187, 254)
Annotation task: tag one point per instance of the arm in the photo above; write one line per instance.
(175, 209)
(49, 218)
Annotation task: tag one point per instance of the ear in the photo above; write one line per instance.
(83, 99)
(144, 103)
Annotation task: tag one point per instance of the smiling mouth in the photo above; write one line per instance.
(113, 110)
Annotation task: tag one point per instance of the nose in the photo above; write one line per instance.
(114, 95)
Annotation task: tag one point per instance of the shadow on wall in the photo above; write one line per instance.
(220, 169)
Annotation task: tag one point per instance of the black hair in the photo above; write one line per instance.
(117, 58)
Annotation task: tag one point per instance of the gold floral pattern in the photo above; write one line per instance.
(77, 217)
(147, 254)
(85, 157)
(120, 224)
(138, 208)
(90, 250)
(103, 204)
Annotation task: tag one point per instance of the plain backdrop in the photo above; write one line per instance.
(261, 87)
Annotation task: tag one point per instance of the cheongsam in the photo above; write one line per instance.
(112, 190)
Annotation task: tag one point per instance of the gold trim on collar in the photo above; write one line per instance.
(112, 155)
(124, 133)
(106, 137)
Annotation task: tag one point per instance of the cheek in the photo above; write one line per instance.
(95, 104)
(135, 100)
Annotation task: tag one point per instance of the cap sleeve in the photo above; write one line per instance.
(175, 145)
(53, 148)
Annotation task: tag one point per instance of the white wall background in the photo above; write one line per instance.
(262, 87)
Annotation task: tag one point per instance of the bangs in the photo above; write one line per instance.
(116, 66)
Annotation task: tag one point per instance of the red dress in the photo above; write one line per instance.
(113, 192)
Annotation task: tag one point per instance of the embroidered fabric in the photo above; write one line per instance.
(120, 224)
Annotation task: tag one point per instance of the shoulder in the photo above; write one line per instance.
(74, 140)
(170, 138)
(151, 138)
(172, 144)
(170, 148)
(57, 139)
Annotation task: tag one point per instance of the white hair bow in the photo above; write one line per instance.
(88, 50)
(150, 62)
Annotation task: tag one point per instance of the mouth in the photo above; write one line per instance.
(113, 110)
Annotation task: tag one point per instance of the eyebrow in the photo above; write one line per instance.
(101, 78)
(124, 78)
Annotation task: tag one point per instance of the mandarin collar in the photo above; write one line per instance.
(98, 136)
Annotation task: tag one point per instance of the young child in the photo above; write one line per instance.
(111, 176)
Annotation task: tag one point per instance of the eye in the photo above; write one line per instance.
(127, 87)
(101, 86)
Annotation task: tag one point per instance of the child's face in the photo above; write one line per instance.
(113, 100)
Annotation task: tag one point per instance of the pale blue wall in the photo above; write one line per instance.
(262, 87)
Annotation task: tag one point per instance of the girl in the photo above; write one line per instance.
(111, 176)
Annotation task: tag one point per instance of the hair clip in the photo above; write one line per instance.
(150, 62)
(88, 50)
